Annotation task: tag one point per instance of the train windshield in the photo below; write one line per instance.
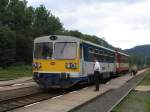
(65, 50)
(43, 50)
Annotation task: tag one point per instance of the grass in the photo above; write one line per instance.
(15, 72)
(136, 101)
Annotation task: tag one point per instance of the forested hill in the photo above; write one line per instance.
(20, 24)
(140, 55)
(143, 50)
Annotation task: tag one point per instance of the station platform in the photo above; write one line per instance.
(69, 101)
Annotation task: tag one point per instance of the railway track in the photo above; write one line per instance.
(11, 92)
(24, 101)
(32, 98)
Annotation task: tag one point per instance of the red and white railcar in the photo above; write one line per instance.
(122, 62)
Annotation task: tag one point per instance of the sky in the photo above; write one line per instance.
(122, 23)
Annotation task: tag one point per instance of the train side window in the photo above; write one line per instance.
(100, 52)
(102, 58)
(104, 52)
(91, 50)
(81, 52)
(96, 51)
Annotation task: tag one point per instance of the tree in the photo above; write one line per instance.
(21, 19)
(7, 46)
(45, 23)
(20, 24)
(26, 22)
(24, 49)
(3, 12)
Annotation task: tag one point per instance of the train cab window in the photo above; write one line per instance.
(43, 50)
(65, 50)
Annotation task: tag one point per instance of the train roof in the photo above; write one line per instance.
(123, 54)
(61, 38)
(58, 38)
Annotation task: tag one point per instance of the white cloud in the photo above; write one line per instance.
(123, 24)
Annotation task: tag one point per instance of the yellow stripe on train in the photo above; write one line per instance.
(57, 65)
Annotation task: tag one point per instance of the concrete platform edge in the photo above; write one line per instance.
(77, 107)
(88, 101)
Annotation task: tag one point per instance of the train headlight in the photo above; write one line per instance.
(67, 65)
(36, 65)
(71, 65)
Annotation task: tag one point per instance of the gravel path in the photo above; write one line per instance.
(106, 101)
